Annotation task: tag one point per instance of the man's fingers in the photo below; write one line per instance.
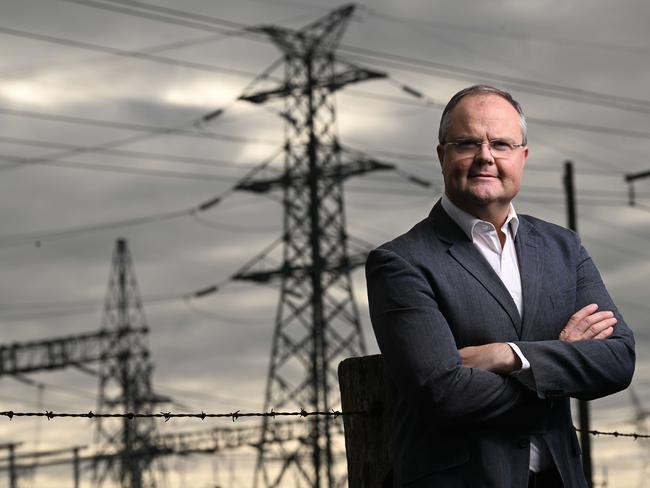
(599, 327)
(581, 314)
(605, 333)
(588, 322)
(598, 330)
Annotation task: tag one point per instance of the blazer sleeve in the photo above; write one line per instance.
(420, 352)
(584, 369)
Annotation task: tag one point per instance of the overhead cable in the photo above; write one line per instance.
(37, 237)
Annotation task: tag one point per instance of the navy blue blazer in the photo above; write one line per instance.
(431, 292)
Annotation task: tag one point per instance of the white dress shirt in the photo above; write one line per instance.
(503, 260)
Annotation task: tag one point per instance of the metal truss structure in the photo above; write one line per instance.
(317, 322)
(121, 351)
(74, 350)
(125, 383)
(207, 442)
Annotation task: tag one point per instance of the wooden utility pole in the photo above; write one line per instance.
(583, 405)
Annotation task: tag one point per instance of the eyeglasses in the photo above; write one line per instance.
(469, 147)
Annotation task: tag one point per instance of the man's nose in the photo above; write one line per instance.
(484, 154)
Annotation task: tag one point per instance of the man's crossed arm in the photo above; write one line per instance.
(498, 357)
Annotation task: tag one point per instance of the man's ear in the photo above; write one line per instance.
(440, 149)
(525, 155)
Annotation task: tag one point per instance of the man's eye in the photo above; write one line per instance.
(467, 145)
(500, 145)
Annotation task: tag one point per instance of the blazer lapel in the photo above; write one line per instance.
(464, 251)
(527, 244)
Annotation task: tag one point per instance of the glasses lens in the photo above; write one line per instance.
(467, 146)
(501, 146)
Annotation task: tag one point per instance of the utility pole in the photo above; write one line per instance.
(13, 478)
(630, 178)
(317, 322)
(583, 405)
(11, 461)
(75, 466)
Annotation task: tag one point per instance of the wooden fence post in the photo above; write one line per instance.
(367, 437)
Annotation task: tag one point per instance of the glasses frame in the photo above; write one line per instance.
(477, 146)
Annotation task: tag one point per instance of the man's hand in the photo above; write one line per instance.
(497, 357)
(588, 323)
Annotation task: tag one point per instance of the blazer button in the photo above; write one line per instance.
(523, 442)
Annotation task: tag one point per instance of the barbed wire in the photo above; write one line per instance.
(169, 415)
(633, 435)
(50, 415)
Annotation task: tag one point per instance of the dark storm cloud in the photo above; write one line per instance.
(226, 356)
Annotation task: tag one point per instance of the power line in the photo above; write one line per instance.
(563, 150)
(91, 302)
(122, 153)
(223, 34)
(178, 17)
(590, 128)
(23, 316)
(132, 126)
(427, 102)
(163, 14)
(125, 53)
(432, 103)
(121, 169)
(38, 236)
(150, 131)
(226, 319)
(535, 86)
(25, 70)
(232, 227)
(503, 33)
(608, 100)
(532, 86)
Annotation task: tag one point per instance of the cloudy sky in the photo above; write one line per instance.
(85, 84)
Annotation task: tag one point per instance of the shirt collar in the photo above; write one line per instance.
(467, 222)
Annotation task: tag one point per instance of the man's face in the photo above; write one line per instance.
(481, 182)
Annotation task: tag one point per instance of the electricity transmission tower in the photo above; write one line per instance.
(126, 449)
(317, 322)
(125, 383)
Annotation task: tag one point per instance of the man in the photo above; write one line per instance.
(488, 321)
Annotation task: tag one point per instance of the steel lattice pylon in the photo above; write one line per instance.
(125, 384)
(317, 322)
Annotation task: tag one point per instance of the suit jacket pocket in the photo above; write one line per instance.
(563, 300)
(563, 305)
